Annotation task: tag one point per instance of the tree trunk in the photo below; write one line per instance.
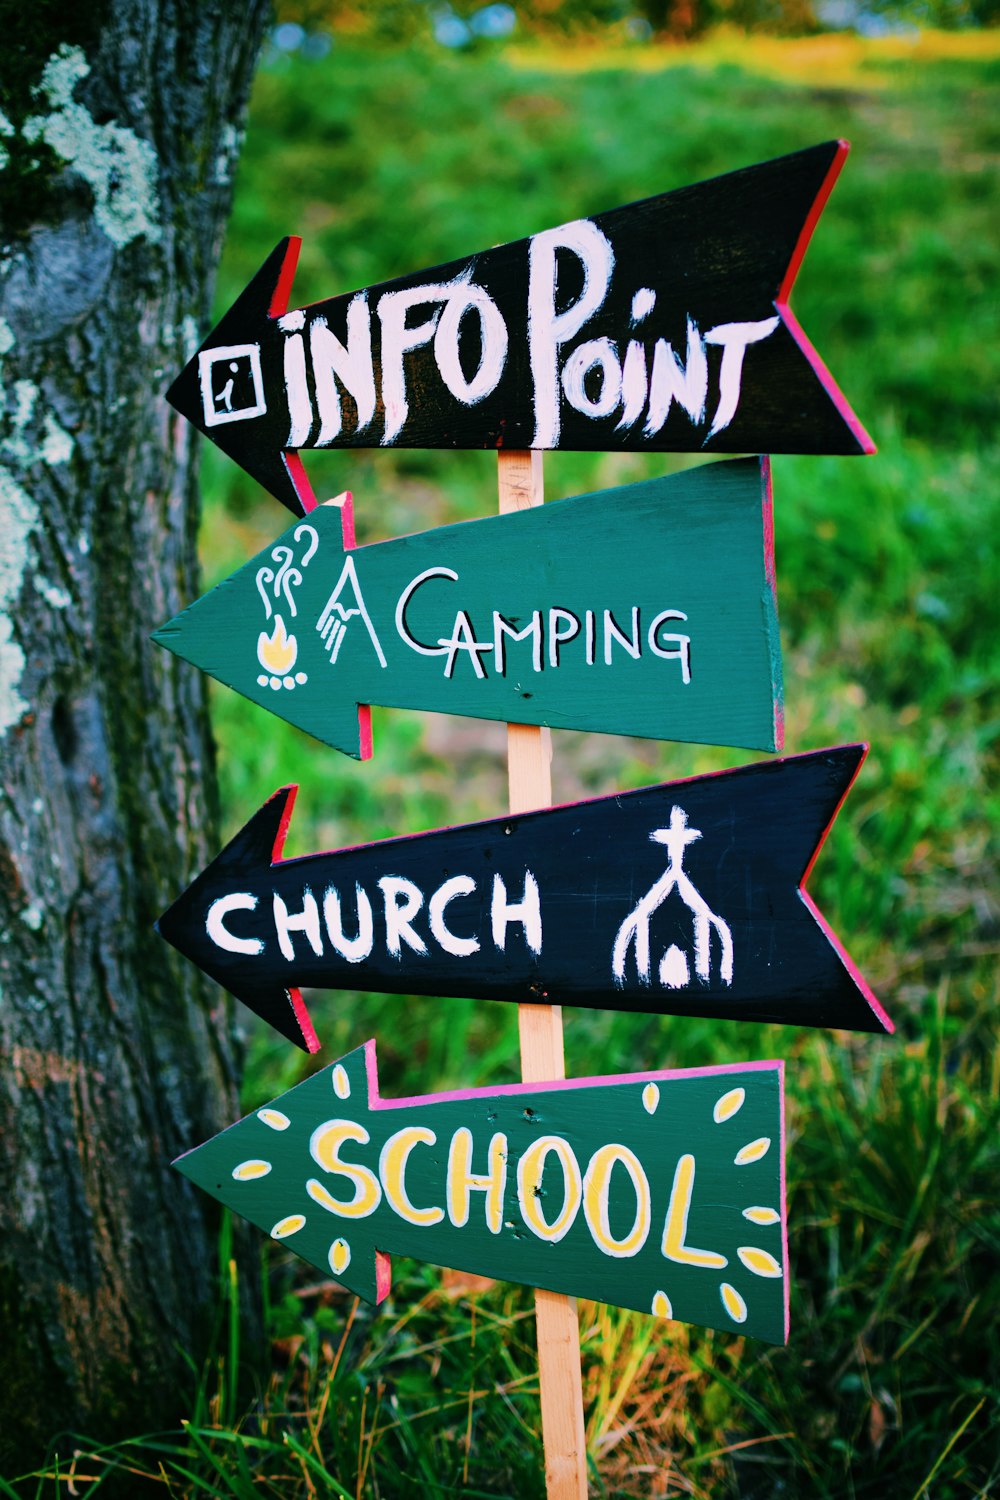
(119, 131)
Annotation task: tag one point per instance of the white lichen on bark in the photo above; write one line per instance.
(6, 130)
(18, 519)
(119, 165)
(19, 516)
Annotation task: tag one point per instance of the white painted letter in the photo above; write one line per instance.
(527, 912)
(557, 636)
(402, 902)
(397, 341)
(468, 297)
(403, 601)
(296, 385)
(307, 921)
(680, 651)
(547, 329)
(215, 923)
(458, 885)
(353, 949)
(734, 338)
(612, 633)
(687, 385)
(463, 638)
(597, 354)
(503, 628)
(635, 380)
(352, 366)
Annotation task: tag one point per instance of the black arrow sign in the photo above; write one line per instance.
(663, 325)
(684, 899)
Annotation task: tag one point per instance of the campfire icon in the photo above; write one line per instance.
(674, 969)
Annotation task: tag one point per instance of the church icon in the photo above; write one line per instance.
(673, 969)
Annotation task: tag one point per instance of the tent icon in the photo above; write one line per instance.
(674, 968)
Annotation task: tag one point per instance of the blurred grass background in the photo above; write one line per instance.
(387, 160)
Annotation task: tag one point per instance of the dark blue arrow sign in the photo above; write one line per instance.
(663, 325)
(683, 899)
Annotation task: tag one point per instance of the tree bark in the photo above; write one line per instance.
(123, 124)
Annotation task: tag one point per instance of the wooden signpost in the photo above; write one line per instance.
(674, 635)
(646, 610)
(682, 899)
(659, 1191)
(663, 325)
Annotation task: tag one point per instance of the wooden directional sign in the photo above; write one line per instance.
(657, 1191)
(673, 635)
(664, 325)
(684, 899)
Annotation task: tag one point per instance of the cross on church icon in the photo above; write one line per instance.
(674, 968)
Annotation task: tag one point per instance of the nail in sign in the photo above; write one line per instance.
(663, 1191)
(663, 325)
(674, 635)
(681, 899)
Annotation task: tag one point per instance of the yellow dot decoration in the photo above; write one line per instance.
(341, 1082)
(733, 1303)
(752, 1151)
(661, 1305)
(340, 1256)
(729, 1105)
(248, 1170)
(290, 1225)
(758, 1261)
(274, 1118)
(650, 1099)
(759, 1215)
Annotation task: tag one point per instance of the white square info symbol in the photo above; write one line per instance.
(232, 386)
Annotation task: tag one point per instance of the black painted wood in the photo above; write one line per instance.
(683, 899)
(720, 253)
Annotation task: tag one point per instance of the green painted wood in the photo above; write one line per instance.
(658, 1191)
(660, 326)
(644, 610)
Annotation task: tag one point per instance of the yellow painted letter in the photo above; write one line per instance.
(392, 1170)
(675, 1228)
(529, 1176)
(596, 1185)
(324, 1147)
(461, 1182)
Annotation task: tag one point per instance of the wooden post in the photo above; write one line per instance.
(529, 757)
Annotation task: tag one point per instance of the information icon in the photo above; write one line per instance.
(232, 387)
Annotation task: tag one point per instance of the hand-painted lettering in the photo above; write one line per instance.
(215, 923)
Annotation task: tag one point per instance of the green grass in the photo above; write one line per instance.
(889, 591)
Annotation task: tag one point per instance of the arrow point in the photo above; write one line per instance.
(256, 847)
(262, 300)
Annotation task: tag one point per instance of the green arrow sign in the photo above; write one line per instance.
(662, 1192)
(645, 610)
